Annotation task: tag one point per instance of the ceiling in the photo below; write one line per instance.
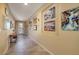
(21, 11)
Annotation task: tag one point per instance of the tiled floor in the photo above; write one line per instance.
(25, 46)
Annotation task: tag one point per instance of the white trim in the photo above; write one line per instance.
(42, 46)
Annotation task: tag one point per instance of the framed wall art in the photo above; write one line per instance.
(70, 19)
(30, 24)
(35, 27)
(35, 23)
(49, 26)
(50, 14)
(49, 19)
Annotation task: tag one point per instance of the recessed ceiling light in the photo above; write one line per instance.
(25, 3)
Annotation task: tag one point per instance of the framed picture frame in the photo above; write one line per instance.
(49, 26)
(11, 24)
(35, 27)
(70, 19)
(35, 19)
(49, 18)
(50, 14)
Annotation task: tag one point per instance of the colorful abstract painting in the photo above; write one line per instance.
(49, 21)
(70, 19)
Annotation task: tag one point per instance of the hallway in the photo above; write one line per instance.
(25, 46)
(40, 29)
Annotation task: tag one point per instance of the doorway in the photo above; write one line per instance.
(20, 28)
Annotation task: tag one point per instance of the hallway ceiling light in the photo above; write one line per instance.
(25, 3)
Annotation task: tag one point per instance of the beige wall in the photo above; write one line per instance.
(58, 42)
(4, 40)
(2, 9)
(3, 33)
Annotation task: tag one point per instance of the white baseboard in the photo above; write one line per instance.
(42, 46)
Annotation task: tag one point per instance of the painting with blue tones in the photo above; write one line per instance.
(70, 19)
